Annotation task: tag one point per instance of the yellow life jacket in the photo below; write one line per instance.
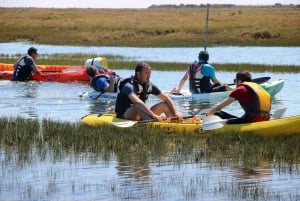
(261, 104)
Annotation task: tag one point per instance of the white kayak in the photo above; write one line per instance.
(272, 87)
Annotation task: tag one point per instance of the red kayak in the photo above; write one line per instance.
(50, 73)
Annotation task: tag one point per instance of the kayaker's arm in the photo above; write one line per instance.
(216, 81)
(35, 69)
(142, 107)
(111, 84)
(181, 83)
(220, 106)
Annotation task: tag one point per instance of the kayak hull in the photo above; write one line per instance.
(275, 127)
(50, 73)
(272, 87)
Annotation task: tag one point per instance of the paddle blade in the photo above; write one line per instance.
(124, 124)
(279, 113)
(213, 122)
(261, 80)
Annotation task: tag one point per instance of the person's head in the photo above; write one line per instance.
(32, 52)
(242, 76)
(102, 84)
(91, 71)
(143, 72)
(204, 56)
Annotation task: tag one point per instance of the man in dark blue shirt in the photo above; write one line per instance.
(25, 66)
(133, 94)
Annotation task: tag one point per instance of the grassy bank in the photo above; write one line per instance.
(118, 62)
(259, 26)
(19, 134)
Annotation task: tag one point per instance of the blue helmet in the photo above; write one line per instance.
(102, 83)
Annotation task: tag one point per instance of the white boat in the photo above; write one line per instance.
(273, 87)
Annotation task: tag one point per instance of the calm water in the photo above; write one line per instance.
(60, 101)
(76, 177)
(221, 55)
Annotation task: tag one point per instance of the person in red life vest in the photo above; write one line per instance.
(202, 77)
(254, 100)
(134, 92)
(25, 66)
(103, 82)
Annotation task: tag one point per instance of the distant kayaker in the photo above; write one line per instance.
(25, 66)
(134, 91)
(200, 75)
(255, 101)
(103, 82)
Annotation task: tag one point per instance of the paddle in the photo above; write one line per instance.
(214, 122)
(258, 80)
(102, 92)
(130, 123)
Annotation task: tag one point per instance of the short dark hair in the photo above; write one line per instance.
(203, 55)
(140, 66)
(91, 71)
(32, 50)
(244, 76)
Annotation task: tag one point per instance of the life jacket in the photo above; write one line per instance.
(141, 90)
(95, 78)
(117, 80)
(22, 71)
(198, 82)
(261, 104)
(123, 102)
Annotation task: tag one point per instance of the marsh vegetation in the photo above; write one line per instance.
(177, 27)
(139, 154)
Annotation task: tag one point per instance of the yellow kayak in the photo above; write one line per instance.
(276, 127)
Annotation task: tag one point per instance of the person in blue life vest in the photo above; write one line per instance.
(103, 82)
(25, 66)
(255, 101)
(200, 75)
(134, 92)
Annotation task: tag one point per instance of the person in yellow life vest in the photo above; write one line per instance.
(254, 100)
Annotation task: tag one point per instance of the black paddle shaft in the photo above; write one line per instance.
(258, 80)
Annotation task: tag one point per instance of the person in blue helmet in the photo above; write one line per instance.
(103, 82)
(202, 77)
(25, 66)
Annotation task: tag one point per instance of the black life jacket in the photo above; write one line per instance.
(22, 71)
(123, 101)
(141, 90)
(200, 84)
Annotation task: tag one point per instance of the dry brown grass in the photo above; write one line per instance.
(263, 26)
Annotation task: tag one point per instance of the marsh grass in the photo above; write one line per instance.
(236, 25)
(32, 141)
(119, 62)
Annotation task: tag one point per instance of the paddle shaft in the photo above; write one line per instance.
(258, 80)
(172, 118)
(214, 122)
(99, 95)
(130, 123)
